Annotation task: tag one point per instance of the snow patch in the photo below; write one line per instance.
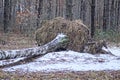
(70, 60)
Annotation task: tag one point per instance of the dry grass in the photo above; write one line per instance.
(110, 35)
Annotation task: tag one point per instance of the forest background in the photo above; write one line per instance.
(25, 16)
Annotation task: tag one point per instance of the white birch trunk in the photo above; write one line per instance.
(60, 41)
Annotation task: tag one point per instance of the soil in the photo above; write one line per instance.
(66, 75)
(15, 41)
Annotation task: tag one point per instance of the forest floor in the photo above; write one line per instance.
(65, 65)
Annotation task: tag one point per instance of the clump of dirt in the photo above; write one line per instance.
(77, 32)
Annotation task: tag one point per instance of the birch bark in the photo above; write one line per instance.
(61, 40)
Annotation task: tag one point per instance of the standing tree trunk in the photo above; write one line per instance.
(1, 14)
(92, 18)
(39, 11)
(59, 42)
(7, 15)
(119, 15)
(69, 14)
(83, 10)
(13, 14)
(49, 10)
(112, 14)
(106, 15)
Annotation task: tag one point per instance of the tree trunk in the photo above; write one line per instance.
(106, 15)
(69, 14)
(49, 10)
(59, 42)
(92, 18)
(40, 7)
(7, 16)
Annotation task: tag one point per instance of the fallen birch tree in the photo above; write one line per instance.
(61, 40)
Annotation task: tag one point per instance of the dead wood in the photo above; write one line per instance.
(96, 47)
(60, 41)
(77, 32)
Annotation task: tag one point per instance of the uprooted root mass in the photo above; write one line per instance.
(77, 32)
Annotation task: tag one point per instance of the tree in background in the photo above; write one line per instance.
(92, 18)
(69, 6)
(7, 14)
(49, 10)
(106, 15)
(29, 14)
(40, 6)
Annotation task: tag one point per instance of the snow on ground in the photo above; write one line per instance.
(70, 61)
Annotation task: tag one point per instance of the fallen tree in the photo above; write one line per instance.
(60, 41)
(78, 33)
(95, 47)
